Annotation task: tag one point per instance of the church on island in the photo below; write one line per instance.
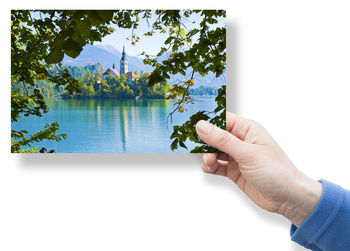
(130, 76)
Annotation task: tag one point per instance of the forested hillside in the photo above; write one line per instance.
(92, 85)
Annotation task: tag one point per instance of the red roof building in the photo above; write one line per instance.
(131, 75)
(111, 71)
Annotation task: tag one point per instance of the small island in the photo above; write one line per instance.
(97, 83)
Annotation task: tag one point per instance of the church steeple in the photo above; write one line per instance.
(123, 63)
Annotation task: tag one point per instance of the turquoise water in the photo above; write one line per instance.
(113, 126)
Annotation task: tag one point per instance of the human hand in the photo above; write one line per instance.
(255, 162)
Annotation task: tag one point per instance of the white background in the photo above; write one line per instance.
(288, 68)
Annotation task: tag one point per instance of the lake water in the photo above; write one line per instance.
(113, 126)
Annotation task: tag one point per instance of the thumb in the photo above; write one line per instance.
(220, 139)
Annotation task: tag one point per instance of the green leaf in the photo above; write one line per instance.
(94, 18)
(105, 15)
(72, 48)
(173, 145)
(154, 78)
(55, 56)
(182, 144)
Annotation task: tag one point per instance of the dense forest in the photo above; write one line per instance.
(203, 91)
(92, 85)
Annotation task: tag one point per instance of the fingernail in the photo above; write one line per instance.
(203, 127)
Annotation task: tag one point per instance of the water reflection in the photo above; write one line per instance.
(112, 125)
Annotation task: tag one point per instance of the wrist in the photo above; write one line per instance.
(304, 196)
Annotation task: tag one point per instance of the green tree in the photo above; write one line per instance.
(39, 41)
(199, 50)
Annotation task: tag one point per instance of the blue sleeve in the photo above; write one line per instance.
(328, 226)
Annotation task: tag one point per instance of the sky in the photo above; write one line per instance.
(151, 45)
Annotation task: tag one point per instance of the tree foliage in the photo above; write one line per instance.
(40, 39)
(201, 50)
(19, 139)
(187, 131)
(115, 86)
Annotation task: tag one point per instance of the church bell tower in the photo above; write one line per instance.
(123, 63)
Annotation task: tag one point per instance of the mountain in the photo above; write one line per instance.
(108, 48)
(107, 55)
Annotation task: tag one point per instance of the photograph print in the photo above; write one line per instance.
(116, 81)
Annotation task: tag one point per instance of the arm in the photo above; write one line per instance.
(255, 162)
(328, 225)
